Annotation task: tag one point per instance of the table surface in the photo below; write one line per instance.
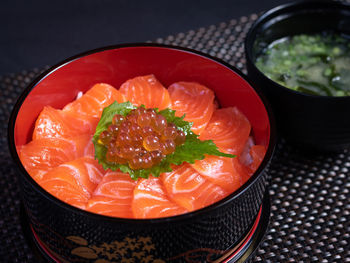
(310, 193)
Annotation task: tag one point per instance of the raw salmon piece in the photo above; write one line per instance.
(257, 153)
(95, 100)
(41, 155)
(195, 101)
(113, 195)
(241, 170)
(251, 156)
(89, 150)
(219, 171)
(66, 192)
(73, 182)
(244, 156)
(53, 123)
(150, 200)
(146, 90)
(189, 189)
(229, 129)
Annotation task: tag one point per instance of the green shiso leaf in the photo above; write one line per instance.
(108, 113)
(193, 149)
(182, 125)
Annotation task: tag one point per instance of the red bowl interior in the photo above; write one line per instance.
(118, 64)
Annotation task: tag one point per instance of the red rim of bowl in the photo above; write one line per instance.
(178, 218)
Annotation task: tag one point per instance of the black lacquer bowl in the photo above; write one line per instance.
(317, 122)
(69, 234)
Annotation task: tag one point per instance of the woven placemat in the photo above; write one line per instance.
(310, 207)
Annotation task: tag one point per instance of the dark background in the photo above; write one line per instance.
(38, 33)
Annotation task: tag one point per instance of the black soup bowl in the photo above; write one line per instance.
(315, 122)
(69, 234)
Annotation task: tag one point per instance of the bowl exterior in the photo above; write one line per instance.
(74, 235)
(317, 122)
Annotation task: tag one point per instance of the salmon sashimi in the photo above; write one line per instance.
(242, 170)
(146, 90)
(195, 101)
(73, 182)
(251, 156)
(60, 156)
(66, 192)
(113, 196)
(53, 123)
(219, 171)
(229, 129)
(150, 200)
(41, 155)
(257, 153)
(189, 189)
(245, 157)
(95, 100)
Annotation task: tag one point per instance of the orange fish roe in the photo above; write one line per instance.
(142, 138)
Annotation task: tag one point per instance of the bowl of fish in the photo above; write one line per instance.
(143, 153)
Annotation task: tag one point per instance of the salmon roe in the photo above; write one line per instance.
(141, 139)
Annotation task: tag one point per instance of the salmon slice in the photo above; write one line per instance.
(113, 195)
(190, 190)
(73, 182)
(150, 200)
(146, 90)
(43, 154)
(257, 153)
(241, 170)
(195, 101)
(95, 100)
(89, 150)
(229, 129)
(219, 171)
(66, 192)
(245, 157)
(53, 123)
(251, 156)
